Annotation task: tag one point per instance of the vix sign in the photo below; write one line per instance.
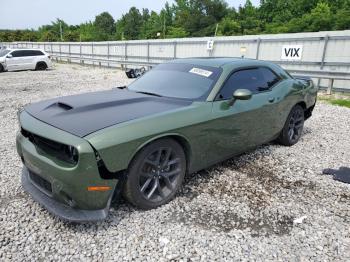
(292, 52)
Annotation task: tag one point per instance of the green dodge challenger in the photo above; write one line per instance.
(79, 152)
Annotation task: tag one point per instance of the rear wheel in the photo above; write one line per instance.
(41, 66)
(293, 127)
(155, 174)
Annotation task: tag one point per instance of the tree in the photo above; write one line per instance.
(88, 32)
(153, 26)
(72, 36)
(320, 18)
(190, 18)
(229, 26)
(176, 32)
(249, 19)
(49, 36)
(342, 20)
(132, 23)
(105, 25)
(56, 28)
(199, 17)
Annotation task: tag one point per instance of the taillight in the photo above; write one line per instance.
(49, 57)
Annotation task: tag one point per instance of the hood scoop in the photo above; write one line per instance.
(84, 114)
(57, 107)
(64, 106)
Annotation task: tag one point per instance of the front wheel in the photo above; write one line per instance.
(155, 174)
(293, 127)
(1, 68)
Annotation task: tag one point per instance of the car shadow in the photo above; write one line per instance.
(21, 71)
(341, 175)
(121, 209)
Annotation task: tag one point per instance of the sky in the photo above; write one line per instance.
(23, 14)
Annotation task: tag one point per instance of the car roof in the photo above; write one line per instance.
(220, 61)
(20, 49)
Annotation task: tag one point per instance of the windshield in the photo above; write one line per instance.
(178, 80)
(4, 52)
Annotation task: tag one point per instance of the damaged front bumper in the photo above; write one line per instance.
(59, 209)
(61, 187)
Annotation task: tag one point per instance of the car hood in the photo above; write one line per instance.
(84, 114)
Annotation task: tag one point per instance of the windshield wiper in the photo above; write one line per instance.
(149, 93)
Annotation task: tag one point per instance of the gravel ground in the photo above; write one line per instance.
(247, 208)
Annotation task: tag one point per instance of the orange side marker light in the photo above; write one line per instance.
(99, 188)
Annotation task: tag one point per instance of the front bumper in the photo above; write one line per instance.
(61, 210)
(61, 187)
(49, 64)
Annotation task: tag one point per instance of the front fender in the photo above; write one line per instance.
(118, 157)
(118, 145)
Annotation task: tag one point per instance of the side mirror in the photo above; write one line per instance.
(9, 56)
(240, 94)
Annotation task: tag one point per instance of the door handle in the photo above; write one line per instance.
(271, 99)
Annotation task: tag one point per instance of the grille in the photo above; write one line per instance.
(55, 149)
(42, 142)
(40, 182)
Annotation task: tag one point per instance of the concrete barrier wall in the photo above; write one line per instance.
(328, 51)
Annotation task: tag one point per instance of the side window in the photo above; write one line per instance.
(18, 53)
(270, 78)
(254, 79)
(244, 79)
(30, 52)
(26, 53)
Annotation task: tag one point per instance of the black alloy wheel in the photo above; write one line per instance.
(155, 174)
(159, 174)
(41, 66)
(293, 127)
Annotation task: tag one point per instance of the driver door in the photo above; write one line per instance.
(248, 123)
(17, 61)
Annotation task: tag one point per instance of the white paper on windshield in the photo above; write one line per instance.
(201, 72)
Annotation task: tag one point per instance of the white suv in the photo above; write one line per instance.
(24, 59)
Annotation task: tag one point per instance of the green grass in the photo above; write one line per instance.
(336, 101)
(340, 102)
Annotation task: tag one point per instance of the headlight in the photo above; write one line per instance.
(72, 153)
(19, 111)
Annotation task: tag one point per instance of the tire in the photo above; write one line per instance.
(155, 174)
(41, 66)
(293, 127)
(1, 68)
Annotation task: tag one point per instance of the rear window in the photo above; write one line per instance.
(178, 80)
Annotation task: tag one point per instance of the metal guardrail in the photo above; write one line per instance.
(320, 74)
(99, 61)
(321, 59)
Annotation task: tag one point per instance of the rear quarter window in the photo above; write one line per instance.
(37, 53)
